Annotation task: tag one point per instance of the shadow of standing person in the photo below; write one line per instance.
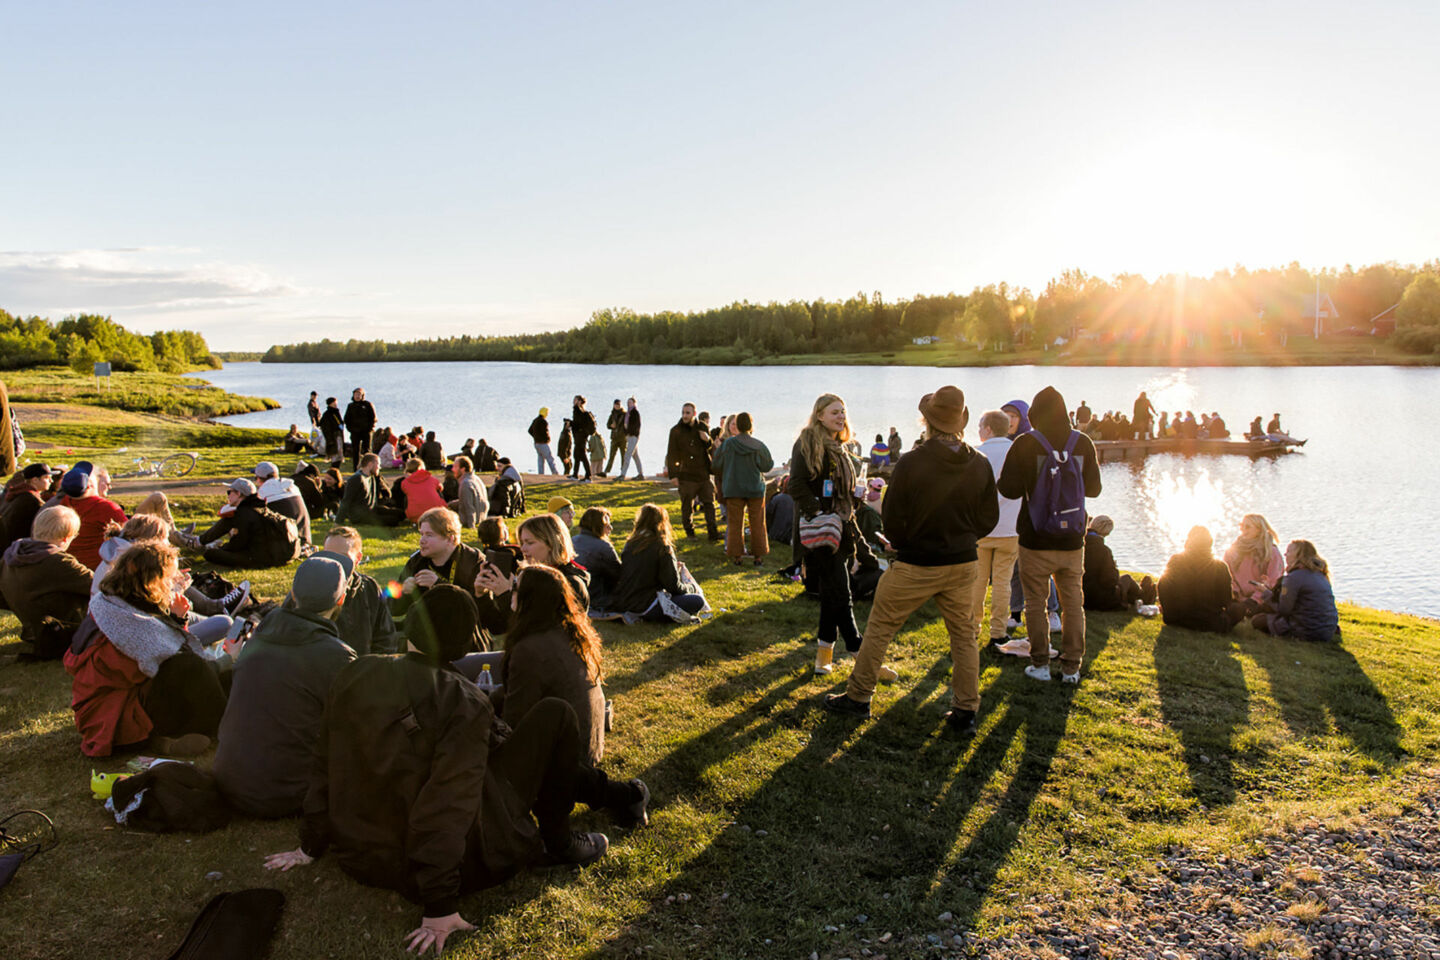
(1204, 699)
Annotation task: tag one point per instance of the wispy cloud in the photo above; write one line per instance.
(48, 281)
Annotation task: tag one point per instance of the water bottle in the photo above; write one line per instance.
(485, 681)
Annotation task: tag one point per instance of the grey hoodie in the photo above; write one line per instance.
(143, 637)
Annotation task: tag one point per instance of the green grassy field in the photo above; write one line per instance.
(774, 824)
(159, 393)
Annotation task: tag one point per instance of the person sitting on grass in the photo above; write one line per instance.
(563, 509)
(1106, 588)
(79, 492)
(595, 552)
(46, 587)
(422, 490)
(472, 500)
(360, 502)
(1195, 587)
(147, 526)
(507, 496)
(416, 788)
(283, 496)
(1255, 562)
(1304, 604)
(364, 620)
(648, 568)
(277, 695)
(259, 537)
(492, 532)
(139, 674)
(544, 540)
(295, 441)
(25, 496)
(442, 558)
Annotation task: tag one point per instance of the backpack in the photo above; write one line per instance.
(1057, 504)
(507, 499)
(279, 534)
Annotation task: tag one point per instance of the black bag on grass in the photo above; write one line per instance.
(233, 926)
(211, 584)
(176, 796)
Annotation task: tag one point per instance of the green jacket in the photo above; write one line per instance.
(741, 465)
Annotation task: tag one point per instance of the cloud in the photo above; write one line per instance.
(130, 279)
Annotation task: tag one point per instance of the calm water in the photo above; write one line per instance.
(1361, 489)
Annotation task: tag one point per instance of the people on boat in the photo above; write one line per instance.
(1256, 431)
(1216, 428)
(1163, 428)
(879, 453)
(1144, 416)
(1303, 605)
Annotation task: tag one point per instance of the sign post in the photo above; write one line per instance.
(102, 369)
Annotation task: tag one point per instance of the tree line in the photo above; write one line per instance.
(84, 340)
(1232, 308)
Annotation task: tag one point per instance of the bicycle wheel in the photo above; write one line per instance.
(177, 465)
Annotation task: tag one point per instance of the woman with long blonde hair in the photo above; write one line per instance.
(1304, 601)
(1254, 561)
(822, 478)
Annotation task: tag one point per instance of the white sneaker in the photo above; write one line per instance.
(1038, 673)
(1054, 654)
(886, 674)
(1070, 677)
(1054, 623)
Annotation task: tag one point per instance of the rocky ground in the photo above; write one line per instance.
(1366, 891)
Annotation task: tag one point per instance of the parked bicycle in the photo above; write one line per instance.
(175, 465)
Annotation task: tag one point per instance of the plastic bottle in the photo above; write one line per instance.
(485, 681)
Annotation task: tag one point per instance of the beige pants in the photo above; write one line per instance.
(1068, 569)
(995, 565)
(901, 591)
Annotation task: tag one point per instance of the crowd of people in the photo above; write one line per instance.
(1145, 422)
(434, 734)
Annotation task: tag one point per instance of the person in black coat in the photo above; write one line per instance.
(360, 421)
(432, 454)
(259, 537)
(333, 429)
(582, 428)
(1106, 588)
(1195, 587)
(648, 566)
(687, 460)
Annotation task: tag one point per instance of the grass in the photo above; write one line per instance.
(775, 824)
(162, 393)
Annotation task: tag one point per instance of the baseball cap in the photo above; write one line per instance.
(341, 558)
(265, 470)
(77, 479)
(241, 485)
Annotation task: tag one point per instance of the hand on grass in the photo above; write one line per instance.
(288, 859)
(433, 931)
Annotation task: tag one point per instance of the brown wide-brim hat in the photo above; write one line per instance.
(945, 409)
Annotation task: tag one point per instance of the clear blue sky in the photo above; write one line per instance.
(276, 172)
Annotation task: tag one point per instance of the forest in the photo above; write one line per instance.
(1232, 309)
(80, 342)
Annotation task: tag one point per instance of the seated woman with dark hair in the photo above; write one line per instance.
(650, 573)
(139, 673)
(595, 552)
(1106, 588)
(1303, 605)
(1195, 587)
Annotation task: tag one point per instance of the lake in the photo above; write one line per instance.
(1360, 489)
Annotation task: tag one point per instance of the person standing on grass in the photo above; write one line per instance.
(741, 464)
(941, 500)
(822, 481)
(998, 550)
(539, 431)
(615, 423)
(1052, 544)
(687, 460)
(332, 428)
(360, 421)
(632, 440)
(582, 428)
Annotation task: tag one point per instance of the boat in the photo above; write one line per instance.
(1107, 451)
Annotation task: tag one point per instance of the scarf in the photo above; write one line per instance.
(843, 475)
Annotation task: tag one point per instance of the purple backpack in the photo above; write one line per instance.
(1057, 504)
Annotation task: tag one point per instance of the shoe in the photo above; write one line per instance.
(639, 476)
(580, 849)
(689, 534)
(1038, 673)
(824, 658)
(1055, 623)
(236, 598)
(190, 745)
(961, 722)
(886, 674)
(1054, 654)
(188, 529)
(1070, 677)
(636, 812)
(1012, 624)
(842, 703)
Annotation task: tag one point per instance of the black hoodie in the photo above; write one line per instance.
(1017, 480)
(939, 503)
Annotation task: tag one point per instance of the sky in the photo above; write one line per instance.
(275, 172)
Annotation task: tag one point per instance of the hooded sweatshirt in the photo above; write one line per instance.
(1022, 466)
(110, 551)
(741, 464)
(40, 580)
(940, 501)
(422, 492)
(1022, 408)
(95, 512)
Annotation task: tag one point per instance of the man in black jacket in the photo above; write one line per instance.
(941, 500)
(333, 429)
(687, 459)
(360, 421)
(259, 537)
(432, 454)
(615, 423)
(364, 619)
(24, 502)
(1043, 555)
(360, 499)
(632, 440)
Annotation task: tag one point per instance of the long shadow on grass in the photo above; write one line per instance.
(1203, 697)
(861, 820)
(1328, 678)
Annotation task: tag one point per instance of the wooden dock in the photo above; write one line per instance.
(1110, 450)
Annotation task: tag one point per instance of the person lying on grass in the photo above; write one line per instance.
(418, 786)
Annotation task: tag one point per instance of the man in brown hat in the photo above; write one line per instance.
(941, 500)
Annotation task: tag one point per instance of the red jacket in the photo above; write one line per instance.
(422, 492)
(95, 513)
(106, 696)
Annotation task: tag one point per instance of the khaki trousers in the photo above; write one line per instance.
(1068, 569)
(901, 591)
(735, 510)
(994, 565)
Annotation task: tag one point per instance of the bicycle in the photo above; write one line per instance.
(171, 467)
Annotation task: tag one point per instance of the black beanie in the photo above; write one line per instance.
(442, 623)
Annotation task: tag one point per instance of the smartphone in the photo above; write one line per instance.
(502, 560)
